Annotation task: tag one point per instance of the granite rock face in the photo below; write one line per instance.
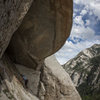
(11, 14)
(55, 83)
(50, 83)
(43, 31)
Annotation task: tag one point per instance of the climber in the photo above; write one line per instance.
(25, 80)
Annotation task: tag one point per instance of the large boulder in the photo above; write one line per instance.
(11, 14)
(55, 83)
(43, 31)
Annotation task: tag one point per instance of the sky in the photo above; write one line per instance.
(85, 30)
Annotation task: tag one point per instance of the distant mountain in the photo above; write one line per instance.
(84, 71)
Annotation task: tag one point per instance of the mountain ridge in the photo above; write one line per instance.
(84, 71)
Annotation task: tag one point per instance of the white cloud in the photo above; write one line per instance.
(87, 22)
(83, 12)
(96, 9)
(82, 32)
(90, 5)
(76, 1)
(78, 20)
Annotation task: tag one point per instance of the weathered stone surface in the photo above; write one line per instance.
(49, 83)
(56, 83)
(11, 15)
(43, 31)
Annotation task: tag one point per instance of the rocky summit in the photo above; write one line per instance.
(84, 71)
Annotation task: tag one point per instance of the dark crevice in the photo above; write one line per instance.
(41, 77)
(4, 1)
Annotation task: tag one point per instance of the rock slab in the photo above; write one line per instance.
(43, 31)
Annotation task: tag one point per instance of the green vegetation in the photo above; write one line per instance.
(78, 66)
(95, 61)
(91, 97)
(86, 89)
(98, 50)
(86, 92)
